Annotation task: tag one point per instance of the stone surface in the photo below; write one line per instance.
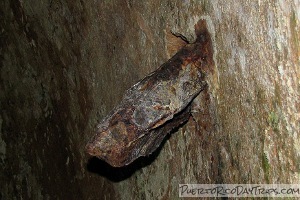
(156, 105)
(65, 64)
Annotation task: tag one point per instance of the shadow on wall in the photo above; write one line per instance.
(117, 174)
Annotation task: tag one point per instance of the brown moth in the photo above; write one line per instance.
(154, 106)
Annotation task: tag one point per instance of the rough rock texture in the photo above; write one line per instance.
(155, 106)
(65, 64)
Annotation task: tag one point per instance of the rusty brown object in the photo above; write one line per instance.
(154, 106)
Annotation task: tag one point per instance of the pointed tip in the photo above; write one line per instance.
(201, 31)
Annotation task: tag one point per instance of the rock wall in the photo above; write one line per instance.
(65, 64)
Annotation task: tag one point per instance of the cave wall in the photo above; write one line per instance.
(65, 64)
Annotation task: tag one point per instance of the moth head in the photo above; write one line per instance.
(112, 144)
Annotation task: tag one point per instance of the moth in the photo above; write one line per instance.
(154, 106)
